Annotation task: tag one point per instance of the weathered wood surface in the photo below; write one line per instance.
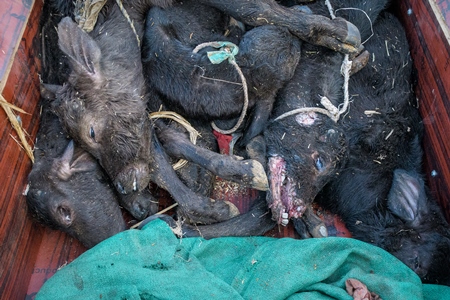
(19, 64)
(429, 41)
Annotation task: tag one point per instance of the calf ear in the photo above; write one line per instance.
(65, 167)
(407, 197)
(64, 214)
(83, 163)
(83, 52)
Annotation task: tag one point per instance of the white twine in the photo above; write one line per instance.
(330, 110)
(244, 86)
(127, 16)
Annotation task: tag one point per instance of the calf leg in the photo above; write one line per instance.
(257, 221)
(336, 34)
(248, 172)
(197, 209)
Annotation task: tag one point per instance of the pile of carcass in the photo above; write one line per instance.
(268, 73)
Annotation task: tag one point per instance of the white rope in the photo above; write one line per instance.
(127, 16)
(244, 86)
(329, 109)
(330, 9)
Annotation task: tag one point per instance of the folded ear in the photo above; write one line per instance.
(83, 163)
(64, 167)
(407, 197)
(83, 52)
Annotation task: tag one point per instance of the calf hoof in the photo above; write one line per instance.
(315, 225)
(301, 228)
(340, 35)
(259, 180)
(359, 62)
(318, 231)
(256, 150)
(353, 37)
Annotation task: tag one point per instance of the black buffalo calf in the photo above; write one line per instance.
(306, 149)
(195, 87)
(67, 188)
(379, 192)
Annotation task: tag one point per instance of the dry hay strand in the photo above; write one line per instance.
(8, 108)
(193, 133)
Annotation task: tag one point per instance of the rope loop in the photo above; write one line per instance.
(227, 51)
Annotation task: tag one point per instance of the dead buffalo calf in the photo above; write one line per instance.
(380, 193)
(103, 107)
(102, 104)
(68, 190)
(195, 84)
(306, 149)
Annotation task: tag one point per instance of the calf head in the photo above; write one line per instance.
(70, 193)
(305, 152)
(422, 241)
(103, 107)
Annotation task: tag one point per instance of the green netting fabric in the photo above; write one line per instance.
(153, 264)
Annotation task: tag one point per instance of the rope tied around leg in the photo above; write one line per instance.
(329, 109)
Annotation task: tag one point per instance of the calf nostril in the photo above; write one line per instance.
(135, 184)
(120, 188)
(141, 210)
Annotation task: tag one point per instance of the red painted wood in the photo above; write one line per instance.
(431, 53)
(56, 251)
(13, 14)
(20, 238)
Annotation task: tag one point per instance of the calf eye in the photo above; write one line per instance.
(319, 164)
(416, 263)
(92, 133)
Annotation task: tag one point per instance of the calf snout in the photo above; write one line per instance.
(133, 178)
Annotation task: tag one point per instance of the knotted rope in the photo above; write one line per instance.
(329, 109)
(227, 51)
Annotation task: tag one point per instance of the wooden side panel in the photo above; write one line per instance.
(19, 236)
(431, 53)
(56, 251)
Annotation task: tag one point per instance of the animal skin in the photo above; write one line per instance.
(306, 150)
(102, 104)
(380, 193)
(67, 188)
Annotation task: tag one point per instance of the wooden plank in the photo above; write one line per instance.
(13, 17)
(56, 251)
(430, 51)
(19, 236)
